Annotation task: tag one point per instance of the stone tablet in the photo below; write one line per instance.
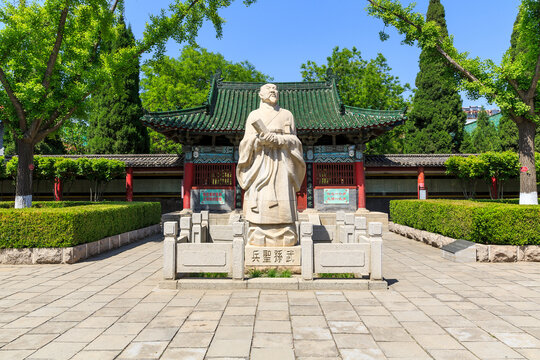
(457, 245)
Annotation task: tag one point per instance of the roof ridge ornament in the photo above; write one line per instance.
(331, 78)
(212, 95)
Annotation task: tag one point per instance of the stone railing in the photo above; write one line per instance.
(357, 250)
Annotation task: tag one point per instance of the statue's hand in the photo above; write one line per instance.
(268, 138)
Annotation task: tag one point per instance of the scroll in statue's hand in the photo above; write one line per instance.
(268, 138)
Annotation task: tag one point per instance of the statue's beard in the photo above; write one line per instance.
(271, 101)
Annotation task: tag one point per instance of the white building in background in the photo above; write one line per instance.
(473, 111)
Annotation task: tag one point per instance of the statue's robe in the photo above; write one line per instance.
(271, 175)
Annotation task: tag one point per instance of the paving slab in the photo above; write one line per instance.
(111, 307)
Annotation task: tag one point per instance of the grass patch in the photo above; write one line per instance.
(336, 276)
(208, 275)
(271, 273)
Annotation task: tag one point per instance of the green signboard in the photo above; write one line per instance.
(336, 196)
(212, 197)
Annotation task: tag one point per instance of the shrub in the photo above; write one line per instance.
(65, 224)
(482, 222)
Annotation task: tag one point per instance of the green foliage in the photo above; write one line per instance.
(285, 273)
(208, 275)
(65, 224)
(116, 109)
(51, 145)
(255, 273)
(499, 165)
(99, 172)
(436, 120)
(468, 170)
(181, 83)
(74, 135)
(336, 276)
(271, 273)
(513, 84)
(509, 135)
(3, 173)
(11, 168)
(366, 84)
(159, 144)
(481, 222)
(484, 137)
(54, 55)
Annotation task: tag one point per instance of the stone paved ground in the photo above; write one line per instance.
(109, 307)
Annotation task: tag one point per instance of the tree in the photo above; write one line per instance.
(513, 84)
(484, 137)
(501, 166)
(181, 83)
(366, 84)
(53, 57)
(436, 120)
(468, 170)
(115, 110)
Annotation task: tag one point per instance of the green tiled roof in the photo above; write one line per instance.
(316, 107)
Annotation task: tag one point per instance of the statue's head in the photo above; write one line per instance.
(269, 94)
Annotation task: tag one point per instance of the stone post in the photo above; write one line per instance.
(375, 238)
(185, 228)
(360, 227)
(170, 230)
(238, 251)
(340, 222)
(196, 236)
(347, 235)
(306, 242)
(204, 226)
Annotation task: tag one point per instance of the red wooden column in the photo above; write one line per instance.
(494, 192)
(360, 183)
(301, 196)
(57, 189)
(421, 188)
(129, 184)
(188, 181)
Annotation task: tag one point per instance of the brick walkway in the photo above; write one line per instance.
(109, 307)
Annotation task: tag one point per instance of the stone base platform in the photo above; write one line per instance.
(293, 283)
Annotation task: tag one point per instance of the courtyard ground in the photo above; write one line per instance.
(110, 307)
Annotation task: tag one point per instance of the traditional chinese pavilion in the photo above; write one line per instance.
(333, 137)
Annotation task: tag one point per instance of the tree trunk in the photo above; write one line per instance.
(527, 180)
(23, 191)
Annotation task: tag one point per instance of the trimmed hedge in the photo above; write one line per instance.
(65, 224)
(480, 222)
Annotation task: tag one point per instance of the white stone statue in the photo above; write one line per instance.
(271, 170)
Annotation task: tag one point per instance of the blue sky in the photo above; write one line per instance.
(277, 36)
